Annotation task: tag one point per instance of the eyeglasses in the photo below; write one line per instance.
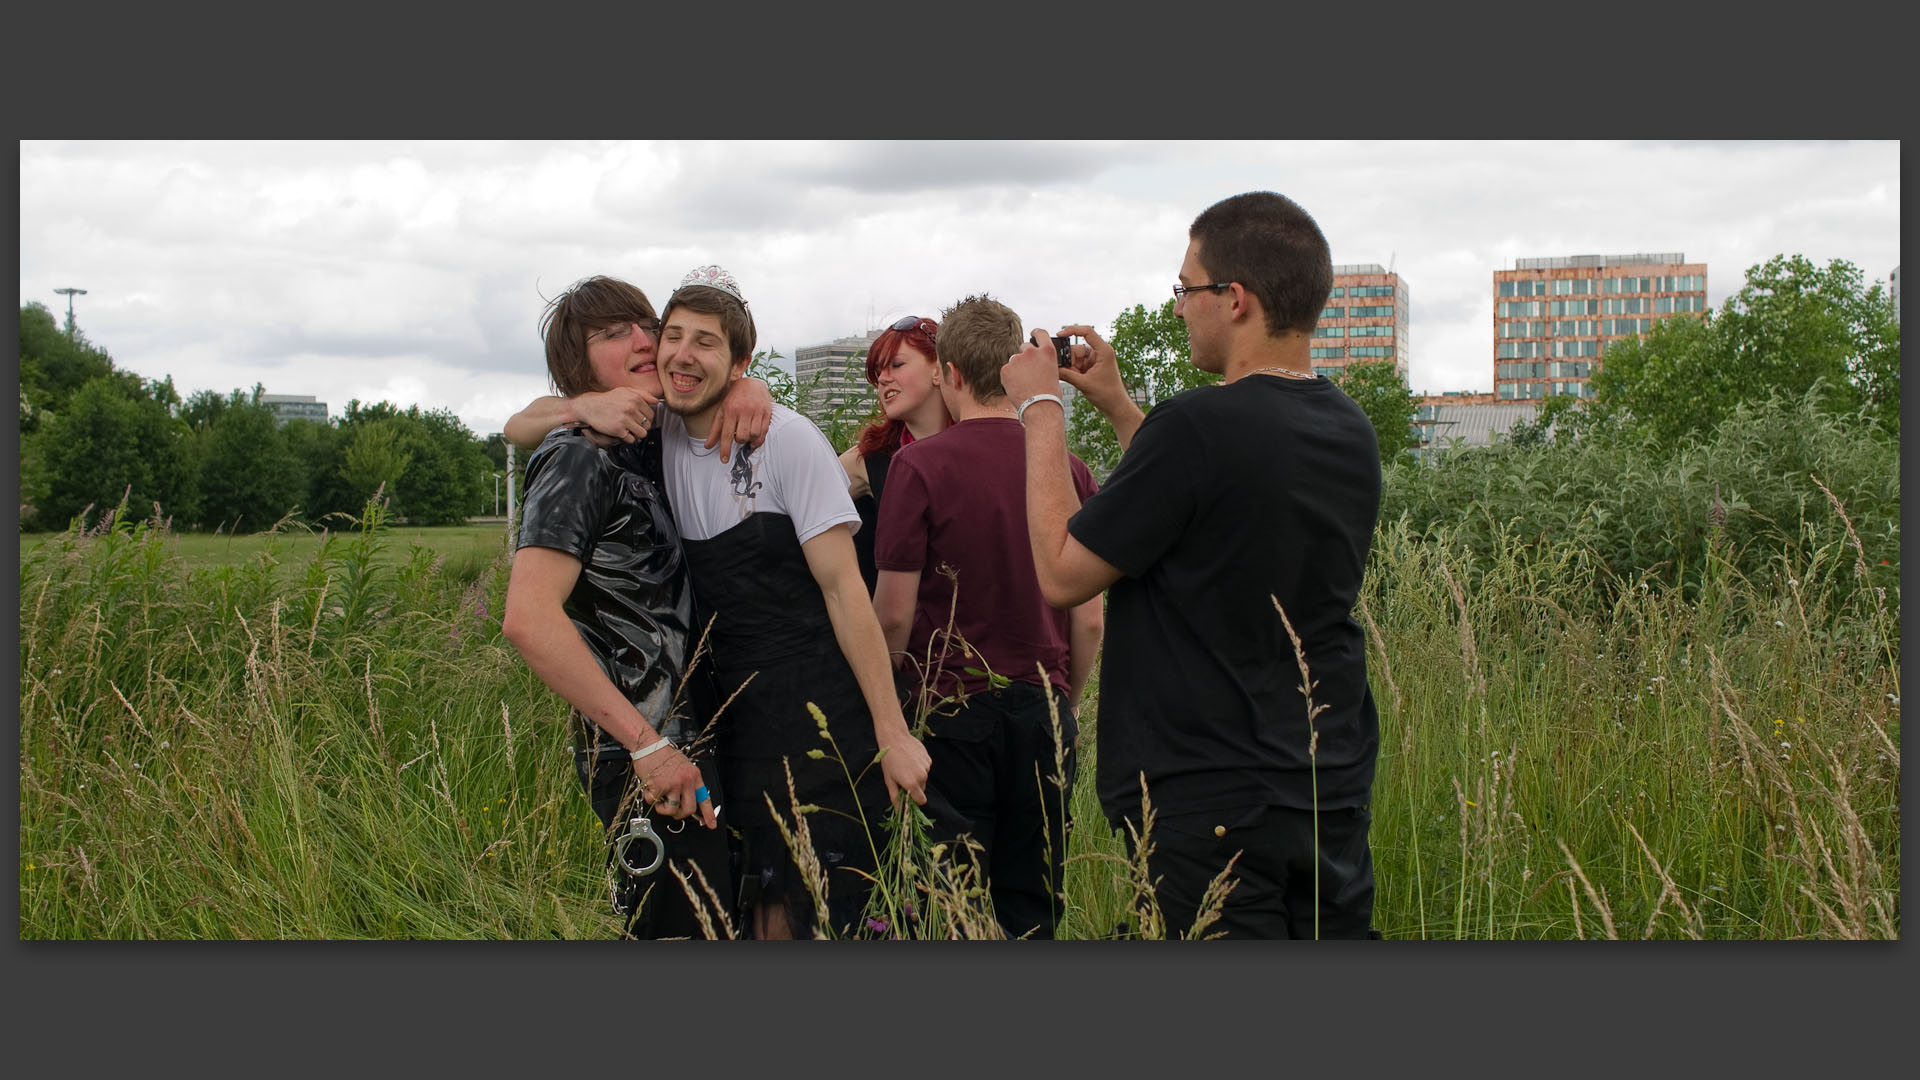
(624, 331)
(1180, 291)
(908, 322)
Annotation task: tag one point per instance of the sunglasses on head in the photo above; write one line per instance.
(908, 322)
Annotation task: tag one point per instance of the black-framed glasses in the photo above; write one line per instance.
(1180, 291)
(908, 322)
(624, 331)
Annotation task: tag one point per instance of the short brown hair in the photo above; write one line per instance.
(735, 320)
(1268, 244)
(976, 337)
(592, 304)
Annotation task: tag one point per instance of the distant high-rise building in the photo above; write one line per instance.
(1364, 322)
(1895, 289)
(1552, 318)
(833, 377)
(295, 407)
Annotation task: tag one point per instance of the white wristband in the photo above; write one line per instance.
(1055, 398)
(645, 750)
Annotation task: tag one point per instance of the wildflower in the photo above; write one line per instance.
(165, 743)
(878, 926)
(1470, 802)
(1794, 583)
(1779, 624)
(1779, 828)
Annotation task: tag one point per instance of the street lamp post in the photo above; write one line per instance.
(69, 294)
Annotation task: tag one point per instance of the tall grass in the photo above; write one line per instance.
(346, 747)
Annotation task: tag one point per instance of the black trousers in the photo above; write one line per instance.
(657, 906)
(994, 761)
(1273, 893)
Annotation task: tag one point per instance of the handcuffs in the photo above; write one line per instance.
(639, 828)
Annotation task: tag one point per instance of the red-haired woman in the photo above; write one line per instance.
(902, 364)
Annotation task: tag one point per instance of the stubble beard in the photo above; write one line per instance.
(698, 409)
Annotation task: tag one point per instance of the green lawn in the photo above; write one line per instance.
(292, 550)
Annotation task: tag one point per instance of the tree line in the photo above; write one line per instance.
(92, 434)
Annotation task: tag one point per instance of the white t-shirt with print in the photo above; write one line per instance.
(795, 472)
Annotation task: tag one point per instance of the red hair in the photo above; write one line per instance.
(883, 433)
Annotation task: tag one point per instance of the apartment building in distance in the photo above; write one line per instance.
(1364, 322)
(1553, 318)
(833, 377)
(294, 407)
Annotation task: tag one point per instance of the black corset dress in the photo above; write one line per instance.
(770, 623)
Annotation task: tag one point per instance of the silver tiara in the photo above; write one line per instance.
(713, 277)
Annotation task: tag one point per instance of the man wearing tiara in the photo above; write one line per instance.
(769, 543)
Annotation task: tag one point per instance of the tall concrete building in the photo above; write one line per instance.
(1365, 320)
(295, 407)
(1552, 318)
(834, 376)
(1894, 287)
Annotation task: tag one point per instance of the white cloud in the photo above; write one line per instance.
(417, 272)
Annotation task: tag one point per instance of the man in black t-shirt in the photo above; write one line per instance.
(1239, 517)
(598, 604)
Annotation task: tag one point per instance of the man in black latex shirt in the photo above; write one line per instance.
(599, 605)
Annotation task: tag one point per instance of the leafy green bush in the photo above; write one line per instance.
(1750, 490)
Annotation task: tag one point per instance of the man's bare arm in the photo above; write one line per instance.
(1096, 373)
(830, 555)
(895, 595)
(627, 414)
(1086, 625)
(1069, 573)
(623, 413)
(538, 626)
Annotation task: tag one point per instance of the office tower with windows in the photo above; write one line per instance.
(833, 377)
(1553, 318)
(295, 407)
(1365, 321)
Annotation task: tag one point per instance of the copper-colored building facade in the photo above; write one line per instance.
(1552, 318)
(1364, 322)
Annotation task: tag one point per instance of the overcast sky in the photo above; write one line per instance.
(416, 272)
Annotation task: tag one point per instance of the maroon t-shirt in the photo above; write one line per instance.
(958, 501)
